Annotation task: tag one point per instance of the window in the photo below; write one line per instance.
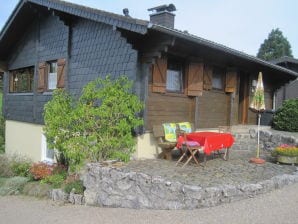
(52, 75)
(217, 78)
(46, 153)
(21, 80)
(174, 79)
(170, 74)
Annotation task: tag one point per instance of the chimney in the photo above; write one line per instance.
(162, 15)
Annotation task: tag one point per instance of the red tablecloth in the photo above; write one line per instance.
(211, 141)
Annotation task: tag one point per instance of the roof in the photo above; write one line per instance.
(23, 14)
(125, 22)
(285, 59)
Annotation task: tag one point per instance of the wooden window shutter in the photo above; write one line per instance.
(61, 72)
(231, 81)
(208, 77)
(42, 77)
(159, 75)
(195, 74)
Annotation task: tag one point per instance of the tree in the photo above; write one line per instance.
(286, 117)
(275, 46)
(97, 126)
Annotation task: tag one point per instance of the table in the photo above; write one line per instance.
(211, 141)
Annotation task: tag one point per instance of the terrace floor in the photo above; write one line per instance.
(217, 172)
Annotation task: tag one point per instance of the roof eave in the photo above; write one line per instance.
(135, 25)
(219, 47)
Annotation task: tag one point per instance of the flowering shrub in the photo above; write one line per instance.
(41, 170)
(286, 150)
(100, 125)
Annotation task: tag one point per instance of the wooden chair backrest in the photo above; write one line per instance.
(158, 131)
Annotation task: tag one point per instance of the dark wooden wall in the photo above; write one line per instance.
(214, 109)
(162, 108)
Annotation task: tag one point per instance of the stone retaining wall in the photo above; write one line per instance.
(112, 187)
(271, 139)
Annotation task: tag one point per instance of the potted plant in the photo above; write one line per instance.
(286, 154)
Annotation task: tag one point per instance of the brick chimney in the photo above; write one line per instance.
(162, 15)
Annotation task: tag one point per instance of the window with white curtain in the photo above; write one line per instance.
(174, 82)
(218, 78)
(52, 76)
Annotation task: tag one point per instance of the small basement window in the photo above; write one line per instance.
(47, 154)
(21, 80)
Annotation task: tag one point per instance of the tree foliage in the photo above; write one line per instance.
(286, 117)
(275, 46)
(98, 125)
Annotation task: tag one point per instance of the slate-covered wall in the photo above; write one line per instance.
(95, 50)
(45, 40)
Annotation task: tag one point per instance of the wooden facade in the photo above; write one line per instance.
(198, 103)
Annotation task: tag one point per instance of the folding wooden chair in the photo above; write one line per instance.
(190, 148)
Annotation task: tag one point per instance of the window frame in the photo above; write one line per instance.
(13, 79)
(43, 75)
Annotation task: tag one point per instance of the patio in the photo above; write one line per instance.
(217, 172)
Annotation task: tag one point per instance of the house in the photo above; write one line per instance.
(290, 90)
(49, 44)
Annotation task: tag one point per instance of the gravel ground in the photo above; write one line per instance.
(279, 206)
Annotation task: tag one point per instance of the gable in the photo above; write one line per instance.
(28, 10)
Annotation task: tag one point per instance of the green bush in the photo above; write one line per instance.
(77, 185)
(14, 165)
(20, 167)
(57, 177)
(286, 117)
(97, 126)
(55, 180)
(60, 169)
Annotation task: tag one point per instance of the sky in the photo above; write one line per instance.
(240, 24)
